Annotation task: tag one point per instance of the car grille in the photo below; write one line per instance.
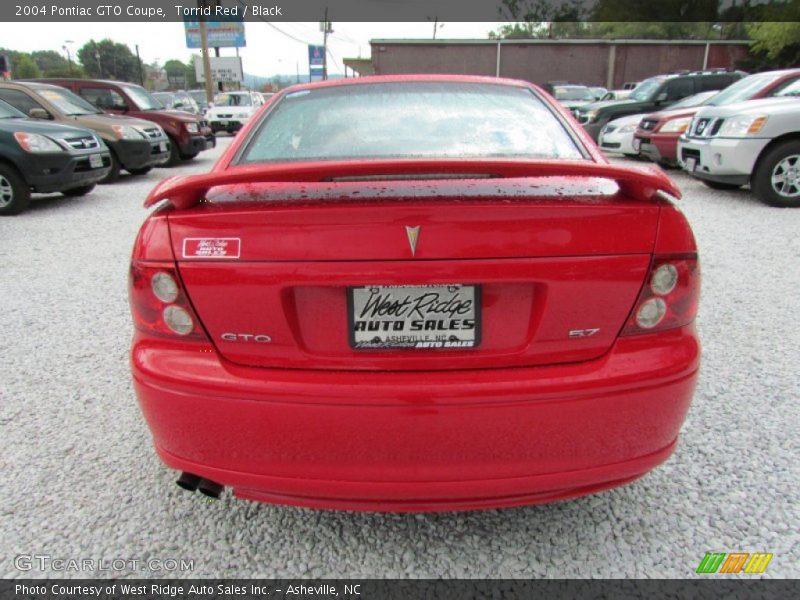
(83, 143)
(690, 153)
(203, 123)
(648, 124)
(706, 127)
(613, 145)
(152, 132)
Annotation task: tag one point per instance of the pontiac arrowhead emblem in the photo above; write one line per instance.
(413, 236)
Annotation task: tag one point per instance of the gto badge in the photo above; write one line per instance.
(413, 236)
(246, 337)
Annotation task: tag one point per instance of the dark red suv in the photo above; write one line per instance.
(189, 134)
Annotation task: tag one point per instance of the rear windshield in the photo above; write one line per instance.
(573, 93)
(410, 120)
(233, 100)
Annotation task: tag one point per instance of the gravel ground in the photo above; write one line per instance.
(82, 481)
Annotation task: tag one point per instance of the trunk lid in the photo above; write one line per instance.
(556, 266)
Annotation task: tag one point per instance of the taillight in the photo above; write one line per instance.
(669, 296)
(159, 304)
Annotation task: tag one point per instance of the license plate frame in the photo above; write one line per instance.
(637, 145)
(691, 164)
(389, 338)
(96, 161)
(162, 146)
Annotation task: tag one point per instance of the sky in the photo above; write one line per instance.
(268, 51)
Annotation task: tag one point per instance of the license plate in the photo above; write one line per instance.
(96, 161)
(690, 163)
(419, 317)
(637, 144)
(162, 146)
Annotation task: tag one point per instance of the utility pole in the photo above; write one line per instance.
(326, 29)
(99, 66)
(69, 55)
(435, 25)
(138, 64)
(206, 60)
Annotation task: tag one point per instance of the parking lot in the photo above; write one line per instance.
(81, 479)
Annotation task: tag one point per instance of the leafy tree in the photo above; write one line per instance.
(108, 59)
(25, 68)
(775, 44)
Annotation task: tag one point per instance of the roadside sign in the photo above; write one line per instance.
(221, 34)
(316, 62)
(226, 69)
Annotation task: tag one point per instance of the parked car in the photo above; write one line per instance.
(199, 96)
(598, 92)
(188, 134)
(659, 132)
(653, 94)
(135, 145)
(179, 100)
(231, 110)
(755, 142)
(630, 85)
(656, 135)
(573, 96)
(43, 157)
(414, 293)
(617, 136)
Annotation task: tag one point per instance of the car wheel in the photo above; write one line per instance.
(718, 185)
(776, 180)
(174, 154)
(14, 192)
(113, 174)
(139, 171)
(79, 191)
(189, 156)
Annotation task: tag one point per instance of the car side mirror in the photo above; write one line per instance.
(39, 113)
(120, 107)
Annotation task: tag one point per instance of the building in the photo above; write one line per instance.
(607, 63)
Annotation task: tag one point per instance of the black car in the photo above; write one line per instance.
(37, 156)
(651, 95)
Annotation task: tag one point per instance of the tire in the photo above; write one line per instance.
(15, 195)
(139, 171)
(79, 191)
(113, 174)
(174, 154)
(717, 185)
(631, 155)
(776, 180)
(189, 156)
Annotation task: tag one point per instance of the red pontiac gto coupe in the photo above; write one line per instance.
(414, 293)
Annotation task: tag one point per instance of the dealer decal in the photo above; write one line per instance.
(211, 247)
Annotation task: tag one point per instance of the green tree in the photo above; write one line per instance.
(108, 59)
(25, 68)
(176, 73)
(775, 44)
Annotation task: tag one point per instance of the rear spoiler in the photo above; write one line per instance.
(638, 183)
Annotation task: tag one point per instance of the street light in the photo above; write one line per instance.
(69, 56)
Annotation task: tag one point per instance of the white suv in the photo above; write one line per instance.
(231, 110)
(755, 142)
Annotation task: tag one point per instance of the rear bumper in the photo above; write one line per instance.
(417, 441)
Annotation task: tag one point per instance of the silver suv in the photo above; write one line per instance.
(755, 142)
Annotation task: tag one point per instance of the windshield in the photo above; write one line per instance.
(744, 89)
(694, 100)
(142, 98)
(67, 102)
(573, 93)
(9, 112)
(410, 120)
(645, 89)
(793, 89)
(232, 100)
(199, 96)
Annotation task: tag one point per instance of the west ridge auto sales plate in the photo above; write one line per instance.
(420, 317)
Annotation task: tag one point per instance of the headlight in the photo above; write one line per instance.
(33, 142)
(627, 128)
(742, 126)
(676, 125)
(192, 127)
(126, 132)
